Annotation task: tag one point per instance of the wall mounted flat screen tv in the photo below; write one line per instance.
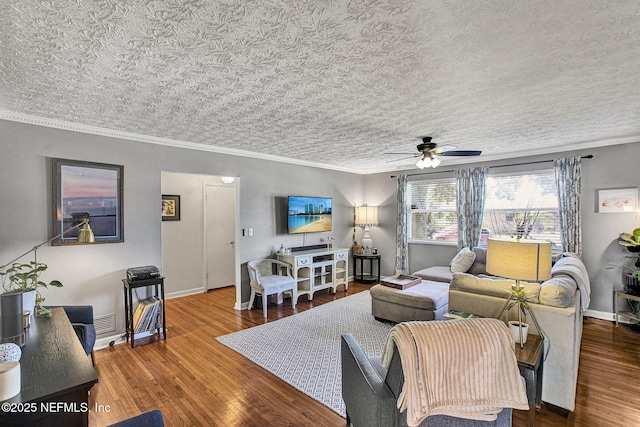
(308, 214)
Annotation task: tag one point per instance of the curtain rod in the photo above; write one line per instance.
(588, 156)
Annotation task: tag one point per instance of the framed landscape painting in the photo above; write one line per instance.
(170, 208)
(86, 190)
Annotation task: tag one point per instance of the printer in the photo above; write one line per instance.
(146, 272)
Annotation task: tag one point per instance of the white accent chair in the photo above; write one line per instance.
(266, 280)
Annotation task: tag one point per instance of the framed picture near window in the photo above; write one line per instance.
(617, 200)
(86, 190)
(170, 208)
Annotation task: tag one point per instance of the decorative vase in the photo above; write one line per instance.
(29, 301)
(515, 331)
(10, 379)
(11, 313)
(9, 352)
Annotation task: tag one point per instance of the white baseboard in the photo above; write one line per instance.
(185, 293)
(604, 315)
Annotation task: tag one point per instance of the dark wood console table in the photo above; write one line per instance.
(56, 377)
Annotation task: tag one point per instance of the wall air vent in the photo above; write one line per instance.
(105, 323)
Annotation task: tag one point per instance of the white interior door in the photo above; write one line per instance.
(220, 214)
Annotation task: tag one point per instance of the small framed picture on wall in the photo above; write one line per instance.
(170, 208)
(617, 200)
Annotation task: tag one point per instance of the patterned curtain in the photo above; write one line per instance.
(470, 186)
(569, 182)
(402, 242)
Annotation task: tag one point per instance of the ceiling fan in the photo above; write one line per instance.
(430, 153)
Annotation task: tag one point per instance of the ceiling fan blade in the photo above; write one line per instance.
(403, 158)
(399, 154)
(442, 149)
(461, 153)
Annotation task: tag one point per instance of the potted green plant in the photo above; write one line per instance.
(26, 278)
(631, 240)
(518, 299)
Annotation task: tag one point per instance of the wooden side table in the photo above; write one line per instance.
(530, 363)
(158, 284)
(366, 278)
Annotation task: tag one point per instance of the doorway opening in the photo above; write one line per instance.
(200, 251)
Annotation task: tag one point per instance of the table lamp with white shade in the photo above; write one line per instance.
(519, 259)
(366, 216)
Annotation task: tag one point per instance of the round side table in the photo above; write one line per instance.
(366, 278)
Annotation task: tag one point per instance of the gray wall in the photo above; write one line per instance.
(611, 167)
(92, 273)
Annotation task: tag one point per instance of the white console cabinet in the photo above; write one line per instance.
(318, 269)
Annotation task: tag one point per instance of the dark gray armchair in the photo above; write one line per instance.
(370, 393)
(148, 419)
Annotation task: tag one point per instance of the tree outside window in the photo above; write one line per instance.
(522, 205)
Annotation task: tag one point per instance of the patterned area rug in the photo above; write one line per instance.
(304, 349)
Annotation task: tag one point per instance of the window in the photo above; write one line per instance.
(523, 206)
(432, 210)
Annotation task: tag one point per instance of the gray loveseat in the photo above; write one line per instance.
(558, 304)
(370, 393)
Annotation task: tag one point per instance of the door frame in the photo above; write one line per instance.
(236, 247)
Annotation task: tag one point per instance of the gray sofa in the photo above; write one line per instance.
(370, 393)
(441, 273)
(556, 304)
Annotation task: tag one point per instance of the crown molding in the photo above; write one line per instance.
(94, 130)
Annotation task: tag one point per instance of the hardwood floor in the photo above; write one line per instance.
(195, 381)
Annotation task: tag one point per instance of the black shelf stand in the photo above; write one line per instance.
(158, 285)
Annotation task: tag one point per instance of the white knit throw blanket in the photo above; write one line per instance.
(464, 368)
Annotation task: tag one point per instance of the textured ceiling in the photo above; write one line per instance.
(333, 83)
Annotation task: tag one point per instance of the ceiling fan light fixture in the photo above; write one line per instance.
(431, 153)
(428, 161)
(424, 162)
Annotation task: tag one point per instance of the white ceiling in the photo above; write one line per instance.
(330, 83)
